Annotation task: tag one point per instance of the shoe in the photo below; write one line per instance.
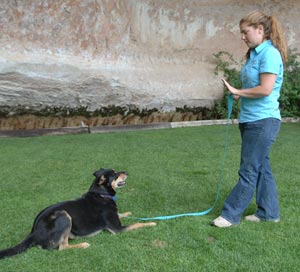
(254, 218)
(221, 222)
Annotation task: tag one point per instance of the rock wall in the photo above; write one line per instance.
(145, 54)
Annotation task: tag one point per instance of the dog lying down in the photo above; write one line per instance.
(83, 217)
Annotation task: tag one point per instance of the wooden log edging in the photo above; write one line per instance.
(120, 128)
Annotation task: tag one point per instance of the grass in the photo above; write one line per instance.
(170, 171)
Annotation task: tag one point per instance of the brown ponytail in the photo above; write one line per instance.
(277, 39)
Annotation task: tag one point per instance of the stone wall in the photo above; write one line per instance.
(135, 54)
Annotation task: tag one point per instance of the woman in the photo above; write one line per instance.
(259, 121)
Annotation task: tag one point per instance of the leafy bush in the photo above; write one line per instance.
(290, 91)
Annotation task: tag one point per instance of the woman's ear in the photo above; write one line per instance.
(260, 29)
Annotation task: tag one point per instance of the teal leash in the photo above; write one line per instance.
(166, 217)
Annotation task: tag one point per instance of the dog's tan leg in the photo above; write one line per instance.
(64, 240)
(81, 245)
(126, 214)
(65, 244)
(140, 225)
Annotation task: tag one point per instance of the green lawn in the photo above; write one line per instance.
(170, 171)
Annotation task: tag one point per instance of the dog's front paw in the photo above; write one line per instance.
(151, 224)
(85, 245)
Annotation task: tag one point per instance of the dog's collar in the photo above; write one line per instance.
(114, 198)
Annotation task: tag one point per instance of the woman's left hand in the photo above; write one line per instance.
(231, 89)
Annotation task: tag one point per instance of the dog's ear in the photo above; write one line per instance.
(98, 173)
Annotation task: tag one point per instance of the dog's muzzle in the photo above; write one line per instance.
(120, 181)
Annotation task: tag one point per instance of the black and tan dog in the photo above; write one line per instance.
(86, 216)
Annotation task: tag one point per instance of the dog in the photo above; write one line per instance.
(86, 216)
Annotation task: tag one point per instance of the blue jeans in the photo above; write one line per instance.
(255, 174)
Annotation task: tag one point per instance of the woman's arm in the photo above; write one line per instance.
(265, 88)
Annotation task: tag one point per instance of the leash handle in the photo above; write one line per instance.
(167, 217)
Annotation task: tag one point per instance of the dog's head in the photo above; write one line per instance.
(108, 180)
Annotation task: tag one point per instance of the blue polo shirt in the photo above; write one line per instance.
(265, 58)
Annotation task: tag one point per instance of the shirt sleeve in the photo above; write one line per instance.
(271, 61)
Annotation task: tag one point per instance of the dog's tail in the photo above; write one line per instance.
(27, 243)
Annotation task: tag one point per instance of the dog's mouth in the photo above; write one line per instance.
(121, 184)
(120, 181)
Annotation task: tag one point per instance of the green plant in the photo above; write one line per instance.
(290, 92)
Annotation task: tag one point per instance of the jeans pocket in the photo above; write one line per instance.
(274, 129)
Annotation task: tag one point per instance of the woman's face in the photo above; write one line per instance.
(252, 36)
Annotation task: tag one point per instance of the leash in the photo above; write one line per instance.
(166, 217)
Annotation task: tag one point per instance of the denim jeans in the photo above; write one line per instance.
(255, 174)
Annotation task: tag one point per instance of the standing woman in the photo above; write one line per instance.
(259, 120)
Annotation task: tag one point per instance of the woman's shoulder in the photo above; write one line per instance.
(271, 61)
(271, 54)
(271, 50)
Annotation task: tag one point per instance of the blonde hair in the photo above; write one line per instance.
(272, 30)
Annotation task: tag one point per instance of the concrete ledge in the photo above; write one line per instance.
(116, 128)
(203, 123)
(291, 120)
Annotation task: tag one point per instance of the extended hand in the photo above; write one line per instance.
(231, 89)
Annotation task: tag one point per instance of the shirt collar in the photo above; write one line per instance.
(259, 48)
